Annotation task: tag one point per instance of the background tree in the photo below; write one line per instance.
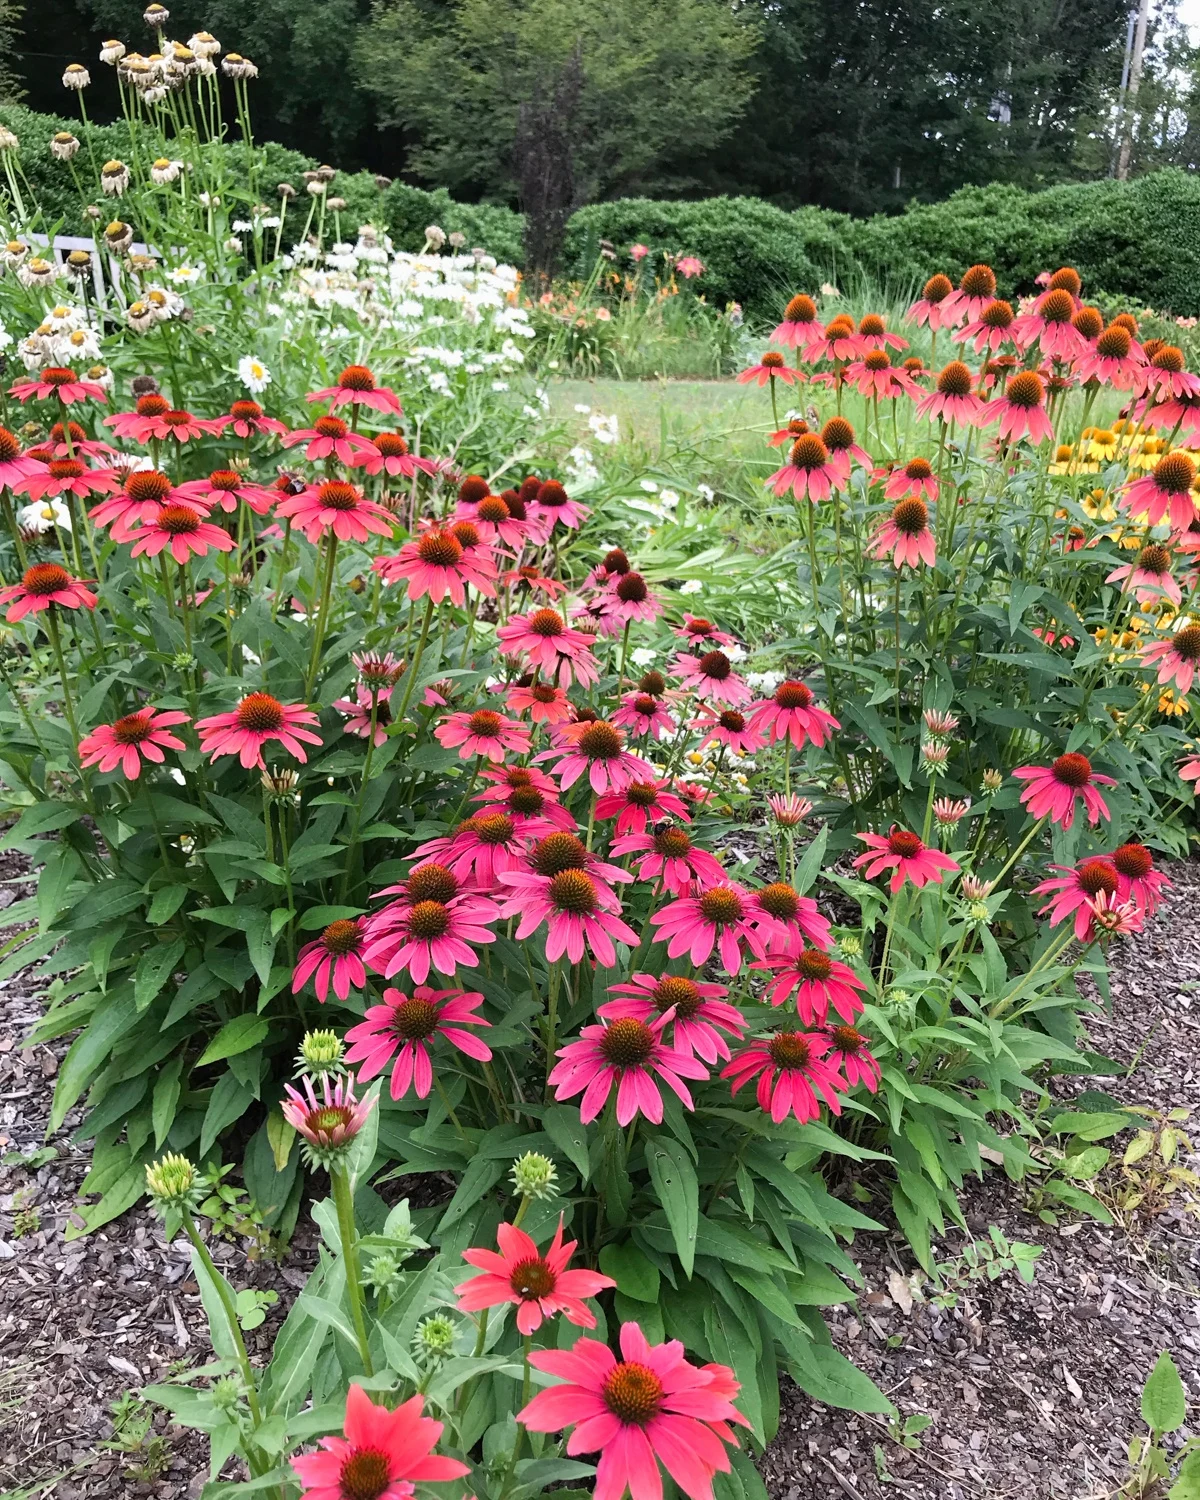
(662, 82)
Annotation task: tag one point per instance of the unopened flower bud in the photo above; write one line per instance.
(934, 757)
(172, 1183)
(788, 810)
(977, 911)
(184, 661)
(948, 812)
(992, 781)
(382, 1274)
(226, 1392)
(534, 1176)
(974, 889)
(850, 946)
(281, 786)
(320, 1053)
(433, 1340)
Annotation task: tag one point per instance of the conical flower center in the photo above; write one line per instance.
(439, 549)
(918, 468)
(793, 695)
(9, 447)
(330, 427)
(955, 379)
(132, 729)
(572, 891)
(147, 484)
(937, 288)
(772, 360)
(642, 793)
(1096, 875)
(998, 314)
(1175, 474)
(224, 479)
(342, 937)
(58, 376)
(1073, 770)
(600, 741)
(874, 360)
(334, 495)
(1168, 358)
(733, 721)
(552, 494)
(391, 444)
(558, 852)
(177, 418)
(699, 628)
(414, 1019)
(356, 378)
(837, 435)
(179, 520)
(633, 1393)
(872, 325)
(683, 994)
(546, 622)
(910, 516)
(1066, 278)
(672, 843)
(779, 900)
(814, 964)
(1154, 559)
(1025, 390)
(645, 705)
(1114, 342)
(615, 561)
(715, 665)
(906, 845)
(809, 452)
(527, 801)
(493, 509)
(246, 411)
(1058, 306)
(485, 723)
(66, 468)
(627, 1043)
(1187, 643)
(45, 578)
(259, 712)
(847, 1039)
(721, 906)
(800, 309)
(1088, 322)
(1133, 860)
(494, 828)
(329, 1118)
(979, 281)
(428, 920)
(531, 1279)
(466, 534)
(432, 882)
(631, 589)
(790, 1049)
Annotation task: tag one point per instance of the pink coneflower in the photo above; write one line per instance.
(790, 714)
(904, 854)
(700, 631)
(630, 1054)
(539, 1286)
(527, 795)
(817, 981)
(1164, 493)
(644, 716)
(1113, 917)
(839, 342)
(1049, 322)
(1190, 769)
(1052, 791)
(258, 719)
(545, 703)
(379, 673)
(15, 465)
(356, 387)
(786, 921)
(155, 420)
(551, 646)
(788, 810)
(1137, 879)
(629, 599)
(771, 366)
(668, 854)
(495, 522)
(799, 327)
(929, 309)
(580, 911)
(553, 504)
(329, 437)
(383, 1454)
(142, 496)
(649, 1407)
(483, 846)
(1176, 657)
(916, 478)
(948, 812)
(1073, 891)
(712, 678)
(1178, 411)
(57, 382)
(873, 334)
(528, 578)
(792, 1070)
(1114, 359)
(702, 1016)
(1020, 410)
(226, 489)
(874, 376)
(336, 955)
(329, 1123)
(721, 918)
(1149, 575)
(1165, 377)
(808, 471)
(483, 732)
(182, 531)
(434, 925)
(67, 476)
(335, 506)
(69, 440)
(130, 740)
(596, 750)
(729, 727)
(41, 586)
(246, 418)
(388, 453)
(365, 709)
(850, 1051)
(906, 535)
(973, 293)
(640, 803)
(437, 564)
(839, 438)
(406, 1026)
(953, 398)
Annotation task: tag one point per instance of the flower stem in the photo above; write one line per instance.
(416, 661)
(231, 1317)
(344, 1202)
(322, 615)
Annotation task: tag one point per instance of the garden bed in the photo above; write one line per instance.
(1032, 1390)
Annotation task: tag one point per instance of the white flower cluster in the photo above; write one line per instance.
(65, 336)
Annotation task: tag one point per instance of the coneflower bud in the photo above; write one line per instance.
(433, 1340)
(320, 1053)
(789, 810)
(173, 1184)
(939, 723)
(992, 781)
(850, 946)
(934, 756)
(534, 1176)
(282, 786)
(948, 812)
(973, 888)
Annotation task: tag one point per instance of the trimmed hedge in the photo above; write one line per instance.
(1139, 239)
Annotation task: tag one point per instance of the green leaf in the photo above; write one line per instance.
(810, 863)
(122, 1195)
(1164, 1405)
(280, 1135)
(829, 1376)
(90, 1049)
(228, 1102)
(42, 817)
(564, 1128)
(674, 1179)
(1187, 1484)
(167, 901)
(481, 1177)
(166, 1098)
(154, 968)
(634, 1273)
(238, 1035)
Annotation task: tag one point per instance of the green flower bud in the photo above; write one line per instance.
(226, 1392)
(173, 1183)
(850, 946)
(977, 911)
(184, 661)
(992, 781)
(320, 1053)
(434, 1339)
(534, 1176)
(382, 1274)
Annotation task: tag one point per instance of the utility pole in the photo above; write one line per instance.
(1129, 105)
